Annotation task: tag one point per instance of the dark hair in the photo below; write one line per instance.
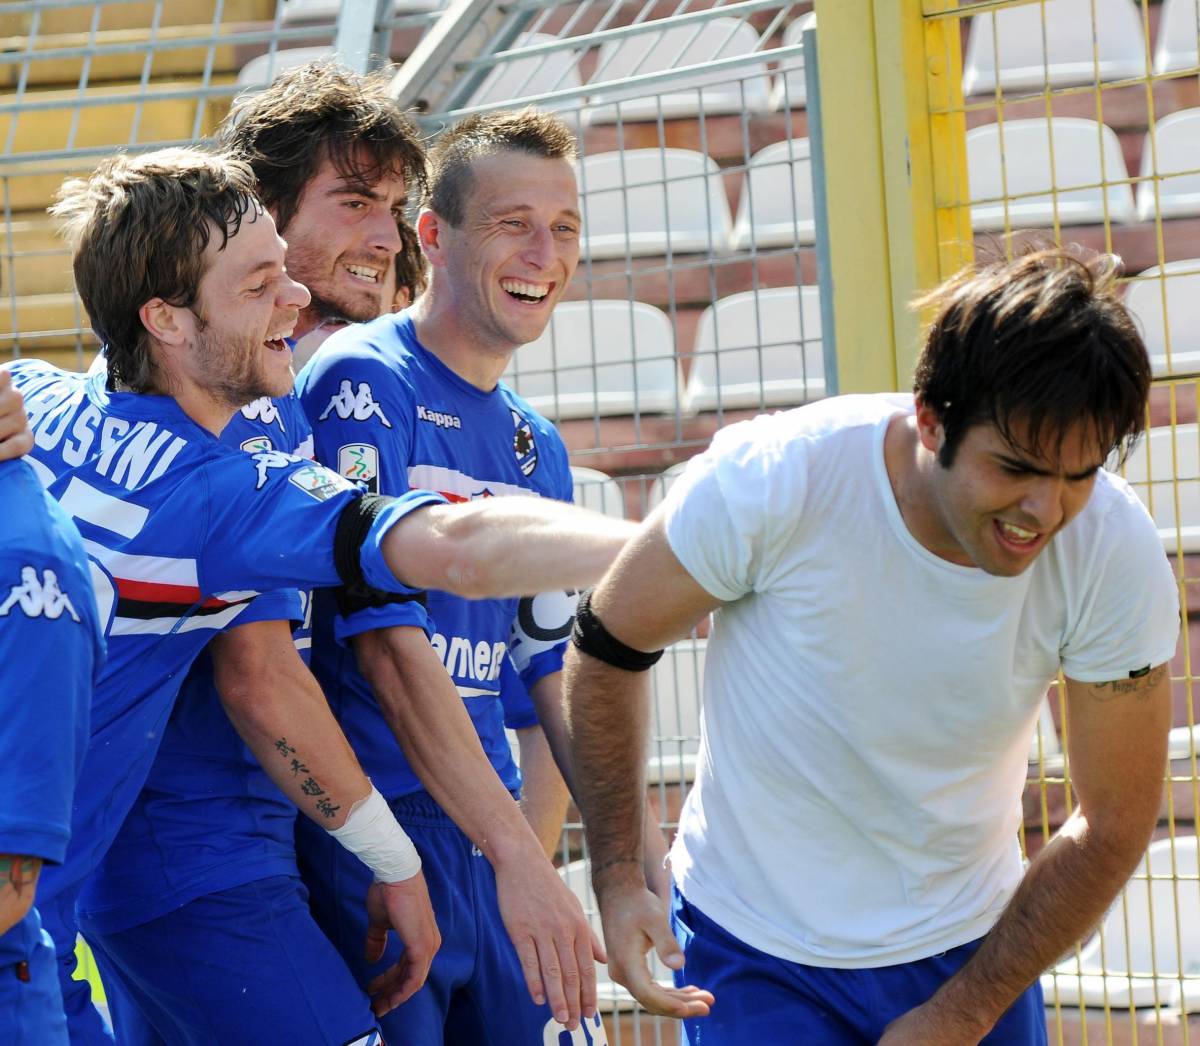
(411, 271)
(530, 131)
(138, 229)
(1042, 342)
(319, 111)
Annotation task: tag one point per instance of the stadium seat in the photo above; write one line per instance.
(1164, 465)
(776, 208)
(538, 74)
(261, 71)
(677, 681)
(1144, 299)
(598, 491)
(326, 11)
(790, 90)
(1176, 149)
(1149, 939)
(1031, 57)
(744, 89)
(663, 483)
(1175, 47)
(652, 201)
(1075, 157)
(599, 358)
(758, 348)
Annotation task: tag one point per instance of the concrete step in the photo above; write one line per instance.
(109, 16)
(34, 259)
(37, 324)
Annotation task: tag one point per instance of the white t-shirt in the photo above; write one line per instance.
(868, 705)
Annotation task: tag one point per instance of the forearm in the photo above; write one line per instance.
(278, 708)
(1064, 893)
(544, 794)
(607, 722)
(501, 547)
(422, 707)
(18, 881)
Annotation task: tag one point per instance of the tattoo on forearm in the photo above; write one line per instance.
(309, 786)
(16, 872)
(1141, 686)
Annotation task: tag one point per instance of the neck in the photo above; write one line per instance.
(194, 401)
(908, 465)
(439, 329)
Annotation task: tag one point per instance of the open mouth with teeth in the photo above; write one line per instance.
(528, 293)
(1016, 538)
(278, 342)
(365, 274)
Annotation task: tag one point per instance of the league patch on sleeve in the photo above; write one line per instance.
(319, 482)
(359, 462)
(257, 444)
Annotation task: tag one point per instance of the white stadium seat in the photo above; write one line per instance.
(599, 358)
(743, 89)
(1025, 160)
(663, 483)
(537, 74)
(776, 208)
(652, 201)
(1175, 45)
(262, 71)
(791, 88)
(1176, 148)
(1164, 465)
(327, 10)
(1144, 299)
(1031, 56)
(1151, 938)
(598, 491)
(759, 348)
(677, 681)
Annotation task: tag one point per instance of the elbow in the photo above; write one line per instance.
(460, 555)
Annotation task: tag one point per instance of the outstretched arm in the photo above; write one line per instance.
(543, 918)
(646, 601)
(499, 547)
(278, 707)
(1066, 889)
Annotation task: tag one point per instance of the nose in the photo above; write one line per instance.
(383, 234)
(539, 248)
(292, 295)
(1044, 502)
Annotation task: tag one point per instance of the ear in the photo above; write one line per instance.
(165, 322)
(431, 228)
(929, 427)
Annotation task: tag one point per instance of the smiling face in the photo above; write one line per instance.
(341, 242)
(998, 505)
(509, 263)
(247, 305)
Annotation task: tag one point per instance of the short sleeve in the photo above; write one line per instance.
(519, 709)
(1128, 611)
(283, 604)
(728, 517)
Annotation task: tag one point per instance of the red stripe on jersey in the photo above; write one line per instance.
(157, 592)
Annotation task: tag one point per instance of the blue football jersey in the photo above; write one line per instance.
(387, 412)
(208, 817)
(51, 652)
(182, 533)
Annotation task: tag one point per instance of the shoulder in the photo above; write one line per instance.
(34, 518)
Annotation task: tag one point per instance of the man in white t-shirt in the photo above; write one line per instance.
(895, 582)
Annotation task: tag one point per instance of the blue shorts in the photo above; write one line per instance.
(773, 1002)
(476, 991)
(84, 1022)
(244, 965)
(31, 1006)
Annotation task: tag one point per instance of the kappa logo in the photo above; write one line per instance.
(262, 409)
(271, 459)
(38, 597)
(319, 482)
(436, 417)
(524, 446)
(360, 462)
(359, 405)
(257, 444)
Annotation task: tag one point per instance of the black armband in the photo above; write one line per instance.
(589, 635)
(353, 526)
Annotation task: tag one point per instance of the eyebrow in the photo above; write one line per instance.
(1025, 466)
(525, 208)
(348, 187)
(262, 266)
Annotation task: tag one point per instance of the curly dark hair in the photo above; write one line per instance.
(321, 111)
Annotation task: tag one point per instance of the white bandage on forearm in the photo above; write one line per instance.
(372, 834)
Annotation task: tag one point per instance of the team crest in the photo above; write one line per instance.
(319, 482)
(256, 444)
(524, 446)
(359, 462)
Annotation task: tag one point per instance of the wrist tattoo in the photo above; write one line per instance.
(16, 872)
